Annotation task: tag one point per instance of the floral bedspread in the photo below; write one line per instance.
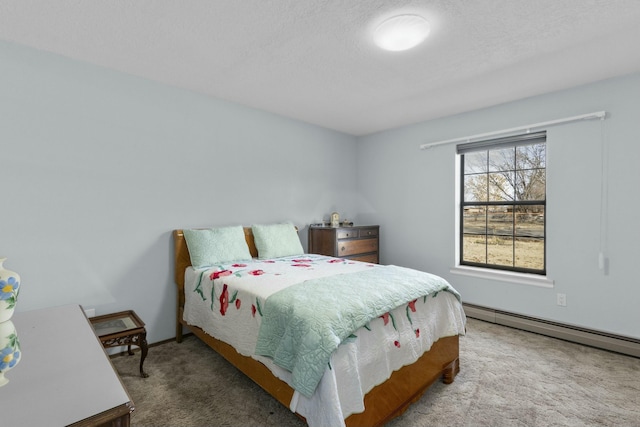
(228, 302)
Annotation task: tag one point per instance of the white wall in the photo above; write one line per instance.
(411, 194)
(98, 167)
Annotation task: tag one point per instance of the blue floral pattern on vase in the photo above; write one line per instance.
(9, 289)
(10, 353)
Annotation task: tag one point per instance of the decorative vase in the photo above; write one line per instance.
(9, 288)
(10, 353)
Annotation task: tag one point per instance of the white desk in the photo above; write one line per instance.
(64, 376)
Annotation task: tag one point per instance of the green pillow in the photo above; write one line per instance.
(216, 246)
(276, 240)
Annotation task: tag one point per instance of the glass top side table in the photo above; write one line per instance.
(120, 329)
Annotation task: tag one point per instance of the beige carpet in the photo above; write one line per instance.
(508, 378)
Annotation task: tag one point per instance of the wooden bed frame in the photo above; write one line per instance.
(383, 403)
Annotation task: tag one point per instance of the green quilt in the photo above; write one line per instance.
(303, 324)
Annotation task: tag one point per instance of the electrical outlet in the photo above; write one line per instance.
(562, 300)
(90, 312)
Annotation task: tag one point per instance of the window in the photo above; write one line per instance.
(503, 203)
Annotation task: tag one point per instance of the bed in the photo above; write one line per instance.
(381, 402)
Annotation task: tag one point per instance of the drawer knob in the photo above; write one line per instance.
(342, 249)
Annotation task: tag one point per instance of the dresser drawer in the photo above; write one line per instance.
(368, 232)
(353, 247)
(347, 233)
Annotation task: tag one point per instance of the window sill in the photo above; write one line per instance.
(504, 276)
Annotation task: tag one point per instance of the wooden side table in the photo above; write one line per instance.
(120, 329)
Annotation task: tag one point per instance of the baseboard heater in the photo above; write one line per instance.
(617, 343)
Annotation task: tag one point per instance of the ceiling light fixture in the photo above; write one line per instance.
(401, 32)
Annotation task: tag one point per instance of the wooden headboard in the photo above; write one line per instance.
(183, 260)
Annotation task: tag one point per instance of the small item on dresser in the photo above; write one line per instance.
(335, 219)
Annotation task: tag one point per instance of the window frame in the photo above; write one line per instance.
(513, 141)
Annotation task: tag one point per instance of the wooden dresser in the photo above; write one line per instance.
(359, 243)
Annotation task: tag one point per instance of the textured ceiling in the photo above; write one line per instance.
(313, 60)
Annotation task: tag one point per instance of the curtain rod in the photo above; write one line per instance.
(590, 116)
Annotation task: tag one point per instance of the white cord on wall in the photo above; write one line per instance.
(604, 197)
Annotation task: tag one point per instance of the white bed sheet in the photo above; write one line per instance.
(225, 301)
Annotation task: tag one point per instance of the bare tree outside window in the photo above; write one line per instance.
(503, 207)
